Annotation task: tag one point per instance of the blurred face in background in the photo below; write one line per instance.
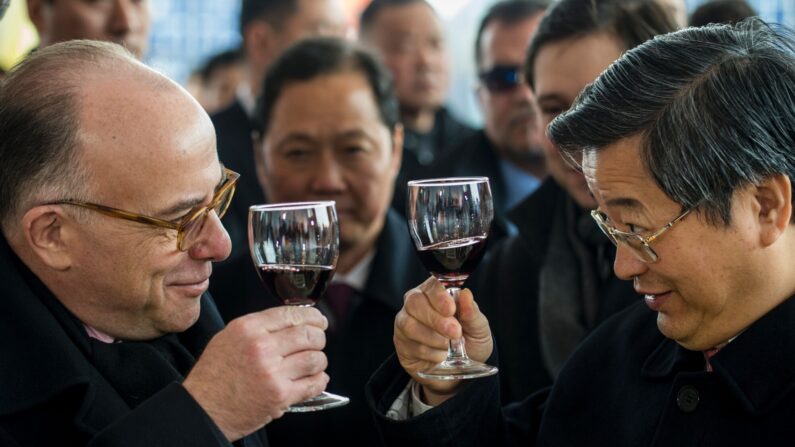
(410, 40)
(313, 18)
(326, 141)
(508, 104)
(125, 22)
(561, 70)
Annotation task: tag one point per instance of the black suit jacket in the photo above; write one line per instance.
(627, 385)
(233, 130)
(506, 286)
(354, 348)
(52, 393)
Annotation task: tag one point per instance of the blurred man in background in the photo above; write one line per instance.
(329, 131)
(508, 150)
(214, 84)
(268, 27)
(125, 22)
(409, 37)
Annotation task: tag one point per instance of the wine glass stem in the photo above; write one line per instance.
(455, 348)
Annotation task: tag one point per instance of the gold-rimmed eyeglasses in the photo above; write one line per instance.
(188, 226)
(638, 244)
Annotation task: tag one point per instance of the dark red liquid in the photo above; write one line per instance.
(301, 285)
(451, 262)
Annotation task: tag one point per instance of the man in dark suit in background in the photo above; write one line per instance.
(268, 27)
(508, 150)
(111, 195)
(329, 128)
(409, 37)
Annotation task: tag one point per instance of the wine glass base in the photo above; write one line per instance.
(322, 401)
(457, 369)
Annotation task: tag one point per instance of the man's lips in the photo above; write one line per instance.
(656, 301)
(192, 287)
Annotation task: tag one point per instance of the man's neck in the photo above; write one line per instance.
(418, 120)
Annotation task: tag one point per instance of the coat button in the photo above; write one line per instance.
(687, 399)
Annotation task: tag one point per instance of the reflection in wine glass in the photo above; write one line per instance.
(295, 247)
(449, 221)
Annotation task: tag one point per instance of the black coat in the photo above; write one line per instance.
(233, 130)
(506, 286)
(627, 385)
(354, 348)
(53, 393)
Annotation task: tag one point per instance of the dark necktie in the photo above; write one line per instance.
(338, 297)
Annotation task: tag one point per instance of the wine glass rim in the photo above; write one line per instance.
(291, 205)
(448, 181)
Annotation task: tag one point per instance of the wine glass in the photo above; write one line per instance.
(449, 221)
(295, 247)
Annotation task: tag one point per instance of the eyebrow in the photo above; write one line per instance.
(188, 204)
(624, 202)
(354, 133)
(297, 137)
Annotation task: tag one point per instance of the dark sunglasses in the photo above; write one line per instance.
(502, 78)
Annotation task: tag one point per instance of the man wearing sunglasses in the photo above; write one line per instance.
(112, 195)
(508, 149)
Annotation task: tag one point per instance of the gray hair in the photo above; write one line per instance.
(40, 122)
(714, 107)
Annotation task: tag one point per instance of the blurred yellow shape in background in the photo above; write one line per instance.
(17, 35)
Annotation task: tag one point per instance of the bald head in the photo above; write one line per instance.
(44, 104)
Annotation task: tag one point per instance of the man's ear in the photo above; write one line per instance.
(260, 43)
(258, 143)
(774, 207)
(397, 149)
(39, 14)
(45, 232)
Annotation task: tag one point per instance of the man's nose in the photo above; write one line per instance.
(328, 176)
(126, 17)
(213, 243)
(627, 265)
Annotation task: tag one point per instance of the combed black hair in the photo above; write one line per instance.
(315, 57)
(714, 106)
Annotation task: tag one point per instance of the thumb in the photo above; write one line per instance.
(474, 324)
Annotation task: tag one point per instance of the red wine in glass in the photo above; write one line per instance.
(449, 220)
(295, 247)
(451, 262)
(296, 285)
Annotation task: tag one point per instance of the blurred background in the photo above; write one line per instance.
(186, 32)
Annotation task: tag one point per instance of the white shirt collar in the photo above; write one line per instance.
(357, 277)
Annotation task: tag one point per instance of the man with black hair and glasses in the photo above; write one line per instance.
(686, 143)
(508, 148)
(111, 195)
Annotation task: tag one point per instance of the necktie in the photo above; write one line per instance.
(708, 355)
(338, 297)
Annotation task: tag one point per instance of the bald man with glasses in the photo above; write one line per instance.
(112, 195)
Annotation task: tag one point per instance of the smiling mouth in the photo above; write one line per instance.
(656, 301)
(193, 289)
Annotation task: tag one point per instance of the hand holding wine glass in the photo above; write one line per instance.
(449, 220)
(295, 247)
